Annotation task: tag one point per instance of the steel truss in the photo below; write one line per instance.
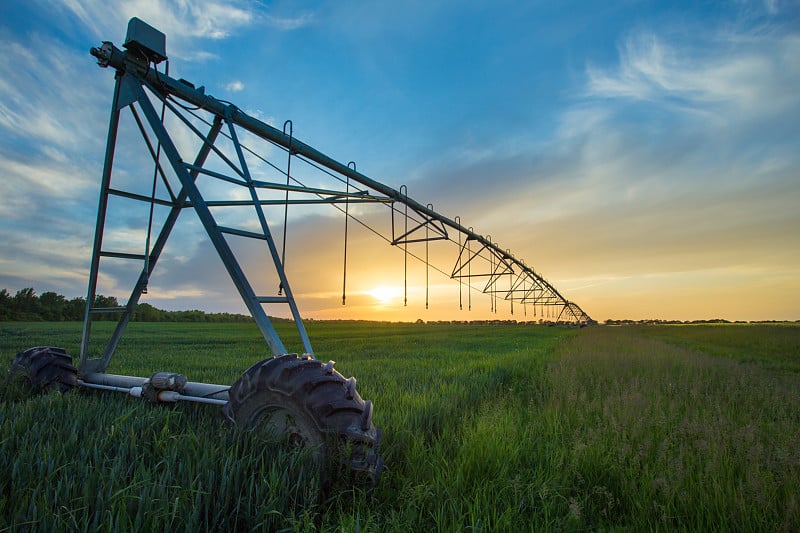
(140, 88)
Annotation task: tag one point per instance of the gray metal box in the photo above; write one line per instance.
(146, 39)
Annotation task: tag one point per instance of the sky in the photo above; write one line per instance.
(643, 156)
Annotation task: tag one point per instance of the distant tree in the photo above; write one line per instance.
(5, 305)
(145, 312)
(52, 306)
(194, 316)
(26, 305)
(101, 301)
(74, 309)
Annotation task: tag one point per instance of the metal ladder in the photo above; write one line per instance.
(129, 90)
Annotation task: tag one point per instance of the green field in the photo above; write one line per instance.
(486, 428)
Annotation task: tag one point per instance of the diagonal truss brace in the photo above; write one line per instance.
(428, 229)
(498, 263)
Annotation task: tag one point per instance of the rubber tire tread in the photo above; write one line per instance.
(306, 385)
(47, 368)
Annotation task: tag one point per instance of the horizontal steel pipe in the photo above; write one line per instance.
(194, 389)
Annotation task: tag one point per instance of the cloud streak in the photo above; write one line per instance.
(745, 74)
(213, 19)
(290, 23)
(234, 86)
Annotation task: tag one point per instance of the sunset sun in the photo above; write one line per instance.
(385, 295)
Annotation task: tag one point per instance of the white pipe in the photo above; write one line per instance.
(172, 396)
(82, 383)
(163, 396)
(192, 388)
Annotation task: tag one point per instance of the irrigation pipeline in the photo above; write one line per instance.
(111, 56)
(134, 386)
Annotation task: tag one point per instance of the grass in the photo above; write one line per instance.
(486, 428)
(769, 345)
(678, 438)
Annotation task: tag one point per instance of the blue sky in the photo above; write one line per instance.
(643, 156)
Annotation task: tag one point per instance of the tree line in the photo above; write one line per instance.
(27, 306)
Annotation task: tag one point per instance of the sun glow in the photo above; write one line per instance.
(385, 295)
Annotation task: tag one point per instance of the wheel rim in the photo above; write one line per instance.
(283, 423)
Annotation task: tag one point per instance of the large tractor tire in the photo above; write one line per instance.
(46, 368)
(310, 405)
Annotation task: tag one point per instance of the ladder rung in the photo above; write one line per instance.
(243, 233)
(215, 174)
(139, 197)
(118, 309)
(121, 255)
(272, 299)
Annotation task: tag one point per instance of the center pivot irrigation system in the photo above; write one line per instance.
(207, 155)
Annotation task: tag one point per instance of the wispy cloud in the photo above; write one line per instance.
(51, 125)
(290, 23)
(771, 6)
(745, 73)
(183, 22)
(234, 86)
(30, 80)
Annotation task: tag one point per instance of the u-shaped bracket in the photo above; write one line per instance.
(290, 134)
